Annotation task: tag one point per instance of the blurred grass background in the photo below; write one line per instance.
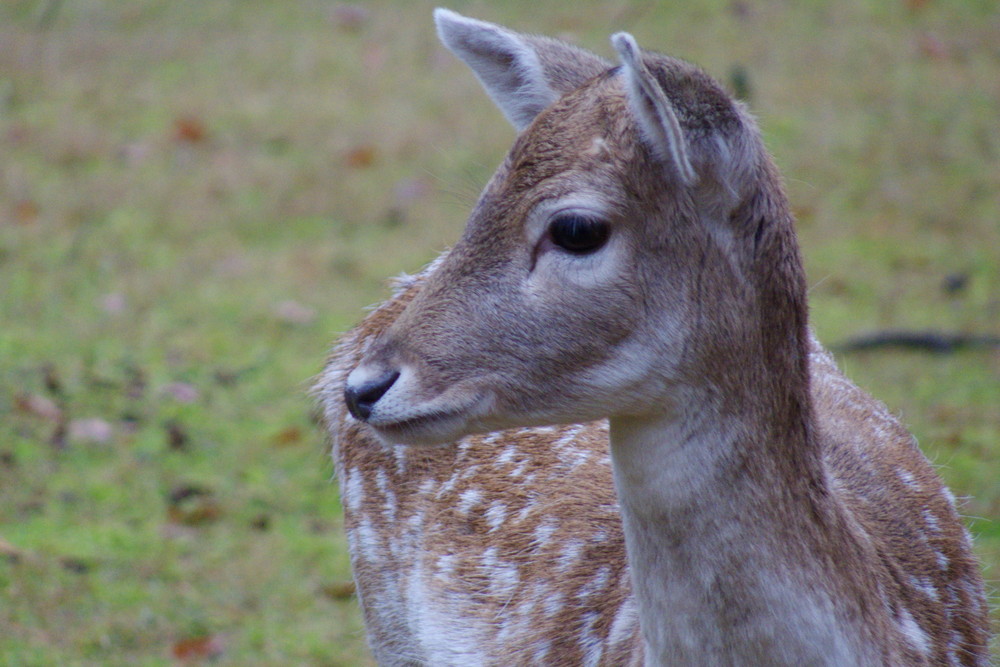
(196, 197)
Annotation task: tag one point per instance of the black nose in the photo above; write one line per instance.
(360, 400)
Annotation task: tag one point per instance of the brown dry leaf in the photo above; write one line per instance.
(26, 212)
(93, 430)
(38, 406)
(192, 506)
(361, 156)
(294, 312)
(195, 514)
(410, 190)
(9, 551)
(339, 590)
(113, 303)
(53, 383)
(194, 649)
(915, 5)
(931, 46)
(177, 436)
(182, 392)
(350, 18)
(261, 522)
(287, 437)
(189, 130)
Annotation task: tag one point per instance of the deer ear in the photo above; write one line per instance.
(523, 74)
(651, 107)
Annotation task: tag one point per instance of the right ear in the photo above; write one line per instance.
(523, 74)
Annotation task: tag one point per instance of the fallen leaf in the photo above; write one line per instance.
(93, 430)
(193, 649)
(196, 514)
(38, 406)
(374, 57)
(189, 130)
(52, 382)
(915, 5)
(191, 505)
(410, 190)
(931, 46)
(261, 522)
(26, 212)
(183, 492)
(113, 304)
(339, 590)
(360, 157)
(349, 18)
(134, 153)
(287, 437)
(294, 312)
(75, 565)
(182, 392)
(10, 552)
(177, 437)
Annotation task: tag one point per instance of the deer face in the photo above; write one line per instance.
(574, 292)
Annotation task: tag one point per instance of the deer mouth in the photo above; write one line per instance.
(434, 427)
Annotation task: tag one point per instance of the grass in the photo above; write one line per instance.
(196, 197)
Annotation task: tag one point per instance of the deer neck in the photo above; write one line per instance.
(724, 506)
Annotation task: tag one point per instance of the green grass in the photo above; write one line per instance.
(195, 198)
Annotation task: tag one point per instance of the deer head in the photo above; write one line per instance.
(632, 248)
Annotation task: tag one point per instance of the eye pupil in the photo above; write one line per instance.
(578, 234)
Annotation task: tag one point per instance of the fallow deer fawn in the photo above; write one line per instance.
(644, 455)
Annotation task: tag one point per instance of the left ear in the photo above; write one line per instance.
(522, 73)
(657, 119)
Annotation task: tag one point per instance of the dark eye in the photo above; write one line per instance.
(578, 234)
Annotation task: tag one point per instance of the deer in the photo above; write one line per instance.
(599, 429)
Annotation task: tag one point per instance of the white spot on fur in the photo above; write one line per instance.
(426, 486)
(503, 576)
(367, 540)
(544, 531)
(496, 515)
(925, 587)
(399, 452)
(625, 622)
(541, 653)
(571, 553)
(598, 146)
(590, 643)
(526, 511)
(917, 637)
(506, 456)
(931, 521)
(553, 604)
(389, 507)
(431, 620)
(469, 499)
(445, 566)
(448, 486)
(907, 478)
(353, 490)
(595, 585)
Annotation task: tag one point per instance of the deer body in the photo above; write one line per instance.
(632, 271)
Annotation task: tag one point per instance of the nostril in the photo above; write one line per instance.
(361, 399)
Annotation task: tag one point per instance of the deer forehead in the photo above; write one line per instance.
(587, 132)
